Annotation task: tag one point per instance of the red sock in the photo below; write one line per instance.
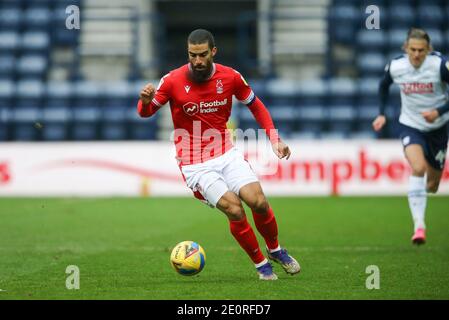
(244, 234)
(267, 227)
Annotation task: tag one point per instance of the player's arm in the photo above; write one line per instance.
(384, 90)
(246, 96)
(263, 118)
(151, 99)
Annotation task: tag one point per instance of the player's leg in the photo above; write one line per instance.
(231, 206)
(433, 179)
(208, 185)
(417, 195)
(266, 224)
(263, 215)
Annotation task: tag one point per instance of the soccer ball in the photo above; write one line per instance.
(188, 258)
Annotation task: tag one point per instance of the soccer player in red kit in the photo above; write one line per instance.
(200, 96)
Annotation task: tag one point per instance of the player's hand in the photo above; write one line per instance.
(281, 150)
(147, 93)
(430, 115)
(379, 122)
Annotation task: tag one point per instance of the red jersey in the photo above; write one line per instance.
(200, 111)
(198, 107)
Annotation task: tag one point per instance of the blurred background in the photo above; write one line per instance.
(314, 63)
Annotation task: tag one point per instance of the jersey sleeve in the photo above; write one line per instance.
(163, 91)
(161, 97)
(444, 70)
(242, 90)
(384, 89)
(444, 73)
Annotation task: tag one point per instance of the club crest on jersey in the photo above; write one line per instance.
(219, 86)
(191, 108)
(187, 88)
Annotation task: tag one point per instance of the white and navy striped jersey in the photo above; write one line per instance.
(422, 89)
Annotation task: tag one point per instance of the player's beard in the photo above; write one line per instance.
(201, 75)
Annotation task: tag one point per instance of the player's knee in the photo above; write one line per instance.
(235, 212)
(260, 204)
(419, 169)
(233, 208)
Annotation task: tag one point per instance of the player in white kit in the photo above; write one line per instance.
(422, 76)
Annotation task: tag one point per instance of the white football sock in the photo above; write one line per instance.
(417, 200)
(274, 250)
(261, 263)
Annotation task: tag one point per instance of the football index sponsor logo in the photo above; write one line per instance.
(191, 108)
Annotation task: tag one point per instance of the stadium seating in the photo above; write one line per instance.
(334, 105)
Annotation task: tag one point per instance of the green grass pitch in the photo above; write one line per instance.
(122, 247)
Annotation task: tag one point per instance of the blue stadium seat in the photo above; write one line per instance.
(141, 128)
(312, 92)
(118, 94)
(342, 113)
(396, 38)
(342, 91)
(312, 117)
(281, 92)
(402, 15)
(306, 134)
(368, 40)
(371, 64)
(7, 90)
(10, 19)
(394, 53)
(32, 66)
(59, 94)
(113, 131)
(85, 122)
(9, 41)
(446, 40)
(7, 66)
(29, 93)
(9, 4)
(430, 2)
(35, 41)
(430, 16)
(367, 112)
(340, 123)
(113, 126)
(367, 134)
(37, 18)
(344, 21)
(284, 117)
(4, 123)
(436, 39)
(87, 94)
(337, 134)
(56, 122)
(379, 3)
(368, 91)
(23, 123)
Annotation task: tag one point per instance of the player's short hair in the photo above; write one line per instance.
(415, 33)
(200, 36)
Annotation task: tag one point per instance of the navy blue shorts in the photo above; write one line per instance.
(434, 143)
